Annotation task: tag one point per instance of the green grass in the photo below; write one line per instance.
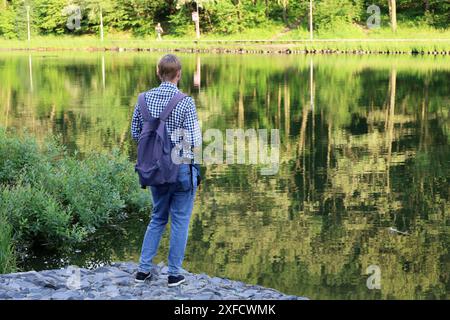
(269, 31)
(349, 37)
(358, 32)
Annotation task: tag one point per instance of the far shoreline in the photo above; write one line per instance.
(435, 47)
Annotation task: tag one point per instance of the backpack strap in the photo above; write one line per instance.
(143, 107)
(172, 103)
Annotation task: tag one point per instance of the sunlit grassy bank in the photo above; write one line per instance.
(273, 39)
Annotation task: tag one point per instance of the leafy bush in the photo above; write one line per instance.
(328, 14)
(224, 17)
(220, 17)
(7, 23)
(180, 23)
(52, 198)
(17, 155)
(35, 216)
(254, 15)
(47, 13)
(86, 187)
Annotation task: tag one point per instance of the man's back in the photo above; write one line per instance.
(176, 199)
(183, 116)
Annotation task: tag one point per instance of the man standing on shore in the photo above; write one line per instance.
(176, 199)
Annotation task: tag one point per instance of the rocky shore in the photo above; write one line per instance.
(253, 50)
(116, 282)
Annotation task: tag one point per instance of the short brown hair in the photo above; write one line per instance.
(168, 67)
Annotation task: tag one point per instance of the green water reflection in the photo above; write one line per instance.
(364, 148)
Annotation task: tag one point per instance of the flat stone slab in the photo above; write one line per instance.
(116, 282)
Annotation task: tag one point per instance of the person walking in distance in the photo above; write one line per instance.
(166, 105)
(159, 30)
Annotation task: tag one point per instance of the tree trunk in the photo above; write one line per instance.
(239, 15)
(28, 24)
(393, 14)
(197, 22)
(101, 24)
(311, 35)
(427, 5)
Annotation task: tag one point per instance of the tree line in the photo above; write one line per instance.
(139, 17)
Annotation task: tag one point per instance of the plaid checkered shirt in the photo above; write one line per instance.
(183, 116)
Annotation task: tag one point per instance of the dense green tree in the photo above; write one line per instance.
(216, 16)
(328, 14)
(7, 17)
(48, 15)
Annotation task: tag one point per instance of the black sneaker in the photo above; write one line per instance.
(141, 277)
(174, 281)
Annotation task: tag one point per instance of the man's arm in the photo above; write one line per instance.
(136, 123)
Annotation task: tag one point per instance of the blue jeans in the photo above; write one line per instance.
(178, 200)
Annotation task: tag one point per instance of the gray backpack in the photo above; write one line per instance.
(154, 155)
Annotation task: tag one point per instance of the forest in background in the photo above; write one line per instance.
(138, 18)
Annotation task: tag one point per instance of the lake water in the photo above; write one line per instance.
(363, 183)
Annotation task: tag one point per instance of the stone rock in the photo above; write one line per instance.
(122, 298)
(122, 281)
(204, 297)
(4, 287)
(99, 278)
(164, 270)
(117, 282)
(158, 292)
(117, 273)
(251, 292)
(91, 295)
(137, 292)
(202, 276)
(14, 287)
(155, 271)
(103, 270)
(216, 281)
(208, 291)
(16, 295)
(47, 281)
(4, 295)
